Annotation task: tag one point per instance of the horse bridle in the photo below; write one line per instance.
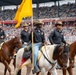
(61, 54)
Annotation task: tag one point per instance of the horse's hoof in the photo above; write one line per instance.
(73, 66)
(58, 67)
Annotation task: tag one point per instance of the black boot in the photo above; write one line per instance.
(36, 69)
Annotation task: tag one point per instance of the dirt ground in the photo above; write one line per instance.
(24, 70)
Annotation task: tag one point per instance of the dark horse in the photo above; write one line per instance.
(7, 51)
(72, 54)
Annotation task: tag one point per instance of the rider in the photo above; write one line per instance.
(25, 35)
(57, 37)
(39, 39)
(2, 35)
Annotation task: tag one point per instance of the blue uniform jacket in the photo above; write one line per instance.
(56, 37)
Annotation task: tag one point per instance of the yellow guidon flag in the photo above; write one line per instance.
(24, 10)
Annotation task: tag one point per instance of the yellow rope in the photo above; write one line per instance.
(41, 53)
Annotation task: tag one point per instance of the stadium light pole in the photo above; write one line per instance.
(55, 3)
(58, 9)
(37, 5)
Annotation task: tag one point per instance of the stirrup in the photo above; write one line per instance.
(36, 70)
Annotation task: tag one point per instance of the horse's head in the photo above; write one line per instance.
(63, 58)
(62, 55)
(18, 42)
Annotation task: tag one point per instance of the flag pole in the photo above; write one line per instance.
(32, 43)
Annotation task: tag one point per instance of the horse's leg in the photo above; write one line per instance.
(42, 71)
(7, 66)
(38, 73)
(19, 72)
(5, 70)
(64, 71)
(48, 73)
(70, 71)
(53, 71)
(14, 61)
(28, 70)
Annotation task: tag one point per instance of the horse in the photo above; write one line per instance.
(7, 51)
(72, 58)
(47, 59)
(72, 54)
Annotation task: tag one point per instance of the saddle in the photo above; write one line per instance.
(27, 52)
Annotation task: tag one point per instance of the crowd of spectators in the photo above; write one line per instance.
(11, 32)
(65, 10)
(69, 32)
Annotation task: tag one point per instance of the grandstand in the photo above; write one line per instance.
(48, 15)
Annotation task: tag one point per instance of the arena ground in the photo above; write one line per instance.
(24, 70)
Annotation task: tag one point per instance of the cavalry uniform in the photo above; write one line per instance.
(38, 36)
(56, 37)
(39, 39)
(2, 35)
(25, 35)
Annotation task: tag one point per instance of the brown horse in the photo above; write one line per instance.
(72, 58)
(7, 51)
(73, 51)
(72, 54)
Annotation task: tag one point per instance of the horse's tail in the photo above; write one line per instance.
(18, 60)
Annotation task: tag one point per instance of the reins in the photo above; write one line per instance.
(53, 64)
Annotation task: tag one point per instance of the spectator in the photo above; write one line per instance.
(2, 35)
